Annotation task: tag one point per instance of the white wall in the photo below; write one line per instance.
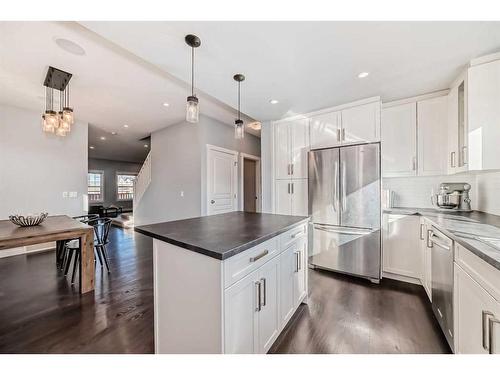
(178, 158)
(36, 168)
(266, 135)
(488, 192)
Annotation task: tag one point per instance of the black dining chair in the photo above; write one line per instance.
(101, 233)
(61, 251)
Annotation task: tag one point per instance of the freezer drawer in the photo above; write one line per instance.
(348, 250)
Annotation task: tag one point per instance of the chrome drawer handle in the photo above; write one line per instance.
(485, 321)
(264, 294)
(257, 287)
(261, 255)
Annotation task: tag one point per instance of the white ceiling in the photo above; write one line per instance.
(309, 65)
(110, 86)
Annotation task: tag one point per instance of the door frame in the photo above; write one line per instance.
(242, 157)
(235, 179)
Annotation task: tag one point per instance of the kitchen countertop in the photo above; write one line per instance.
(470, 229)
(224, 235)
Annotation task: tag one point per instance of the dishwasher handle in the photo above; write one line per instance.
(439, 243)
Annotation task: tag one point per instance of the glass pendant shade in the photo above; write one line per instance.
(239, 131)
(50, 121)
(64, 124)
(192, 109)
(67, 115)
(61, 132)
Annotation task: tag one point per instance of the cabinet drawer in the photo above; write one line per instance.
(483, 273)
(249, 260)
(293, 234)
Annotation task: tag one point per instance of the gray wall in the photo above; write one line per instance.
(178, 157)
(110, 168)
(36, 168)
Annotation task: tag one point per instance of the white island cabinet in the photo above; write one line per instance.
(232, 301)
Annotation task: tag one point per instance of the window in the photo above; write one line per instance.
(125, 186)
(96, 186)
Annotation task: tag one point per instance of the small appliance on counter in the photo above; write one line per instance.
(453, 196)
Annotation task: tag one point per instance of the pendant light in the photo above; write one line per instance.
(239, 129)
(192, 108)
(49, 118)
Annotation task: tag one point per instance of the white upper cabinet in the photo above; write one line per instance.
(457, 126)
(484, 116)
(325, 130)
(291, 144)
(432, 135)
(361, 123)
(399, 140)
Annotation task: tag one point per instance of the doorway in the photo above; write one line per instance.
(222, 181)
(250, 183)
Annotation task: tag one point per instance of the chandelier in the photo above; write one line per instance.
(58, 123)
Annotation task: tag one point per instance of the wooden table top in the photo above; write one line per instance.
(51, 225)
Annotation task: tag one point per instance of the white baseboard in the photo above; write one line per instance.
(406, 279)
(27, 249)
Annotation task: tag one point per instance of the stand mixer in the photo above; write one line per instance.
(453, 196)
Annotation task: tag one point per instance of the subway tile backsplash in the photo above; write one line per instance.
(488, 192)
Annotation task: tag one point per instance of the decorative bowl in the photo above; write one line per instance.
(29, 220)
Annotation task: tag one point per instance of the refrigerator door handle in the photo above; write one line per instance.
(335, 187)
(344, 200)
(328, 228)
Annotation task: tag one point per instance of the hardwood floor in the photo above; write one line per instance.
(40, 312)
(351, 315)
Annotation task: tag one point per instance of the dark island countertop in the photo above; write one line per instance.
(477, 231)
(224, 235)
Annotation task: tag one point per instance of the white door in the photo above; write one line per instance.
(269, 321)
(361, 123)
(325, 130)
(432, 135)
(283, 197)
(241, 307)
(282, 158)
(299, 195)
(399, 140)
(299, 146)
(475, 307)
(287, 274)
(299, 276)
(221, 180)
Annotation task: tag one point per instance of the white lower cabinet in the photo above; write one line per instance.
(475, 309)
(257, 307)
(291, 197)
(426, 257)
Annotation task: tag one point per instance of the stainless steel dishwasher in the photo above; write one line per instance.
(442, 281)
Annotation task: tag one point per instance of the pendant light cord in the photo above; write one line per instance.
(239, 85)
(192, 71)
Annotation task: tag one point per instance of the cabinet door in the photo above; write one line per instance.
(269, 319)
(299, 197)
(432, 116)
(299, 146)
(475, 306)
(361, 123)
(426, 255)
(325, 130)
(299, 275)
(283, 197)
(399, 140)
(287, 274)
(401, 247)
(452, 157)
(241, 316)
(483, 94)
(282, 159)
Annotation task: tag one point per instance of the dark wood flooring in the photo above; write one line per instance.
(40, 312)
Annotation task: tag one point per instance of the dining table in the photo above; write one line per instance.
(58, 228)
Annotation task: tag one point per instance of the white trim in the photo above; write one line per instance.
(207, 175)
(417, 98)
(330, 109)
(258, 187)
(485, 59)
(95, 171)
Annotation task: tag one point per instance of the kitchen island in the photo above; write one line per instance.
(226, 283)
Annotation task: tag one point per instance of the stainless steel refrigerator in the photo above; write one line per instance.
(344, 204)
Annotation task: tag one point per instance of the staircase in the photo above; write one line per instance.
(142, 181)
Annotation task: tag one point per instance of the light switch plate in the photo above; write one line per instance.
(65, 194)
(73, 194)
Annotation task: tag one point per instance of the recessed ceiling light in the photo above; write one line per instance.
(103, 138)
(91, 147)
(166, 104)
(255, 125)
(125, 126)
(146, 145)
(70, 46)
(273, 101)
(114, 133)
(363, 75)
